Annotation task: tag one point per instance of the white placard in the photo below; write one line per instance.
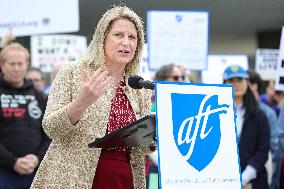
(279, 82)
(179, 37)
(217, 65)
(30, 17)
(266, 63)
(197, 140)
(47, 51)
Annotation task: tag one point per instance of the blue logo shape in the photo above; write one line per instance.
(178, 18)
(196, 127)
(45, 21)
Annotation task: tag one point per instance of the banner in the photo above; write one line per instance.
(217, 65)
(197, 140)
(266, 63)
(30, 17)
(178, 37)
(47, 51)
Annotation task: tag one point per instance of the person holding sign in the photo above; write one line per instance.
(252, 129)
(89, 99)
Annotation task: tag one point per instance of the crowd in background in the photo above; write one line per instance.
(270, 113)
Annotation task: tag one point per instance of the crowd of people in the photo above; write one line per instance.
(45, 129)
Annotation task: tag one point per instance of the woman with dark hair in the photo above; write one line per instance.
(252, 129)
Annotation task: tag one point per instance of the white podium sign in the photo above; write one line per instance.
(279, 82)
(197, 140)
(30, 17)
(178, 37)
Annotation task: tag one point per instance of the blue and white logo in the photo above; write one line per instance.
(178, 18)
(196, 127)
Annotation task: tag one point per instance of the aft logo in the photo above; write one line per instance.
(196, 127)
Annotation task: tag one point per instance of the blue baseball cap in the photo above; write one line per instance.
(235, 71)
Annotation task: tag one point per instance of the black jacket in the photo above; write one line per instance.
(21, 113)
(254, 145)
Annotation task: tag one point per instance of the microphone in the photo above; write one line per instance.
(137, 82)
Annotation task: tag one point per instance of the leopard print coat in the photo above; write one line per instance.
(69, 163)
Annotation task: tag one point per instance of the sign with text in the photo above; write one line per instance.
(197, 140)
(178, 37)
(30, 17)
(47, 51)
(218, 63)
(266, 63)
(279, 82)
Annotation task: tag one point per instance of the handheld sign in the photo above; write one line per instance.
(279, 83)
(266, 63)
(179, 37)
(197, 141)
(217, 65)
(32, 17)
(48, 51)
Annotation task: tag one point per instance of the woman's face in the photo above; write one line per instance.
(121, 42)
(270, 90)
(240, 86)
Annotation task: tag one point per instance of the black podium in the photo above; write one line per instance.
(141, 133)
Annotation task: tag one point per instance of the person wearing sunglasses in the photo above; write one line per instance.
(37, 78)
(170, 72)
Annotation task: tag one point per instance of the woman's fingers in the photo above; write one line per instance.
(104, 84)
(93, 87)
(95, 75)
(100, 78)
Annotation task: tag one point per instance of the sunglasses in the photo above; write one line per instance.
(177, 77)
(36, 80)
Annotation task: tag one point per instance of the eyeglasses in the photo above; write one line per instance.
(177, 77)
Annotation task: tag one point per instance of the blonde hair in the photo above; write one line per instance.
(13, 47)
(95, 53)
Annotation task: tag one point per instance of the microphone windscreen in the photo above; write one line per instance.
(133, 82)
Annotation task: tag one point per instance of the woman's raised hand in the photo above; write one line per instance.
(93, 87)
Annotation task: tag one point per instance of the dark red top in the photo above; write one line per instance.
(113, 170)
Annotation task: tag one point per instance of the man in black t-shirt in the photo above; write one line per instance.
(22, 140)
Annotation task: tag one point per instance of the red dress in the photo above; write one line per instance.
(113, 169)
